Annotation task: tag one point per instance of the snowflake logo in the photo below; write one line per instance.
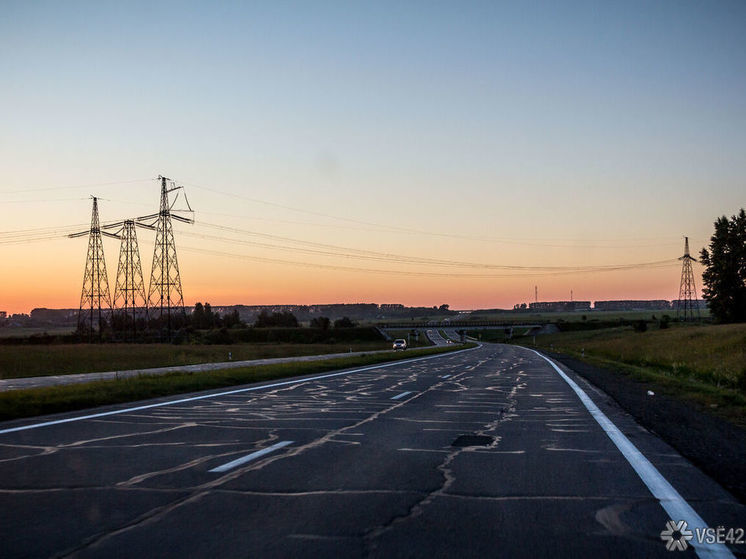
(676, 535)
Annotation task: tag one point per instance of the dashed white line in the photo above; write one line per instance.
(407, 393)
(670, 499)
(249, 457)
(445, 376)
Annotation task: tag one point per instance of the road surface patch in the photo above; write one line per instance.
(473, 440)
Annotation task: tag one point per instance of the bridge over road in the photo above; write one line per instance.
(459, 324)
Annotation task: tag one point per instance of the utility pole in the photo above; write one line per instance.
(129, 291)
(165, 295)
(687, 304)
(95, 300)
(536, 293)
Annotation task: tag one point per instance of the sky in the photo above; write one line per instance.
(390, 152)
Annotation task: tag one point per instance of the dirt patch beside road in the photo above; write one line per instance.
(717, 447)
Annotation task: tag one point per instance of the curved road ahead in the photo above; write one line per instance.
(483, 453)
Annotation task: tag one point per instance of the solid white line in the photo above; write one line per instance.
(227, 393)
(670, 499)
(249, 457)
(401, 395)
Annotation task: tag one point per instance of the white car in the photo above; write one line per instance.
(400, 344)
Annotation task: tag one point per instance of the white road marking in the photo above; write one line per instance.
(446, 376)
(401, 395)
(249, 457)
(670, 499)
(227, 393)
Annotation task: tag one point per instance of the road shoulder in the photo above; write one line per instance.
(717, 447)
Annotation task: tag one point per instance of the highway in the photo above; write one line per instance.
(433, 334)
(489, 452)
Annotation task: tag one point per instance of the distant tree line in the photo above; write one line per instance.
(286, 319)
(324, 323)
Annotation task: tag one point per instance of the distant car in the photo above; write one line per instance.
(400, 344)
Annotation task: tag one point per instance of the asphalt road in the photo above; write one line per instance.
(483, 453)
(434, 336)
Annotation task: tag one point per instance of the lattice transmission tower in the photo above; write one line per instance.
(130, 301)
(687, 305)
(165, 296)
(95, 300)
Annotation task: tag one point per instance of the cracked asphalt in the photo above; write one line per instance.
(368, 469)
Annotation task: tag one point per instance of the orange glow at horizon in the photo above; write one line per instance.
(221, 281)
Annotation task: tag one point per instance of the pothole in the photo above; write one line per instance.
(473, 440)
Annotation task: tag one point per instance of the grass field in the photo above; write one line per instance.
(35, 331)
(714, 354)
(497, 335)
(706, 364)
(39, 401)
(18, 361)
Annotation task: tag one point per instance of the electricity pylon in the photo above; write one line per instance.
(129, 290)
(165, 296)
(95, 300)
(687, 304)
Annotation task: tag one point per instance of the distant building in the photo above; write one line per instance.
(560, 306)
(632, 305)
(698, 304)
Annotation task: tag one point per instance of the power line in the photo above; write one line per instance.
(570, 243)
(45, 201)
(412, 273)
(324, 249)
(600, 243)
(76, 186)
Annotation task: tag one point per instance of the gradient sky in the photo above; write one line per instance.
(527, 133)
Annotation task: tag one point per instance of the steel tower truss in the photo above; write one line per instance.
(165, 296)
(687, 305)
(95, 299)
(129, 291)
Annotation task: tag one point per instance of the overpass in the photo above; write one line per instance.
(460, 324)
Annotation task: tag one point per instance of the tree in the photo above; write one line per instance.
(211, 318)
(198, 316)
(321, 322)
(344, 322)
(232, 319)
(725, 275)
(282, 319)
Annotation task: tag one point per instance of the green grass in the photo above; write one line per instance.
(704, 364)
(40, 401)
(18, 361)
(497, 335)
(35, 331)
